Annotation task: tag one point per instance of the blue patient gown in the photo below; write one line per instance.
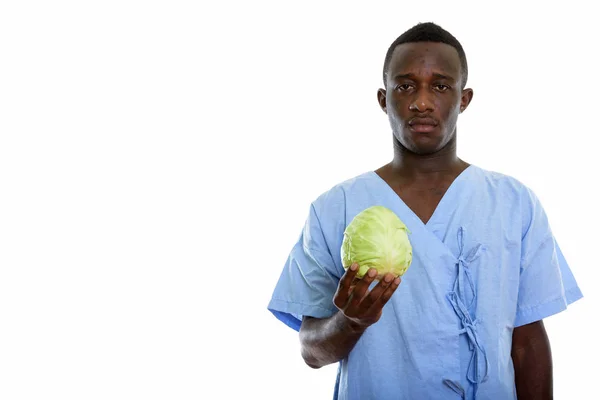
(485, 263)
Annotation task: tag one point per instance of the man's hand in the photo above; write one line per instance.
(328, 340)
(361, 307)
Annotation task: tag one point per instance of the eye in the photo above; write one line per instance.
(403, 87)
(442, 88)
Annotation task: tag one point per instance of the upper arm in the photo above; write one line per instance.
(546, 284)
(532, 361)
(307, 323)
(528, 335)
(309, 278)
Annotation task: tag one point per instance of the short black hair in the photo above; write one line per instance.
(428, 32)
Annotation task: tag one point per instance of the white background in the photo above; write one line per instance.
(157, 161)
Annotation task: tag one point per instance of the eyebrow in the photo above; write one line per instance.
(435, 74)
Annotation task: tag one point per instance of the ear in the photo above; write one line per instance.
(381, 100)
(465, 99)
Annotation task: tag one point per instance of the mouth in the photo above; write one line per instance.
(422, 125)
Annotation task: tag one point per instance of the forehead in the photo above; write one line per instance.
(425, 58)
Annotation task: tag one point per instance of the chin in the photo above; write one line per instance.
(422, 144)
(424, 150)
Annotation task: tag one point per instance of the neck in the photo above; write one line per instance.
(444, 161)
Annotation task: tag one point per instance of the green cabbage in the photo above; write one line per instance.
(377, 238)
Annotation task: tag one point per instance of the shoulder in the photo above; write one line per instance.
(329, 212)
(503, 186)
(511, 194)
(334, 199)
(499, 180)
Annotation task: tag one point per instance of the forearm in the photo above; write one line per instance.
(329, 340)
(532, 361)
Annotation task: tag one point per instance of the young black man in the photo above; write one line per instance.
(466, 320)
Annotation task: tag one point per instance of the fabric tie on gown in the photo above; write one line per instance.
(463, 297)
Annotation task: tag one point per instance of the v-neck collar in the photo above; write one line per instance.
(440, 210)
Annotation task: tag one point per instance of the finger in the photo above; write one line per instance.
(344, 287)
(377, 292)
(360, 289)
(353, 283)
(387, 294)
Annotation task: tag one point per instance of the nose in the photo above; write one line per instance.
(421, 103)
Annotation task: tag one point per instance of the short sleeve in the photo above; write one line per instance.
(546, 284)
(309, 278)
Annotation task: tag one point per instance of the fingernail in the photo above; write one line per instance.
(353, 267)
(397, 281)
(372, 273)
(387, 279)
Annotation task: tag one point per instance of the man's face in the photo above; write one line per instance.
(423, 95)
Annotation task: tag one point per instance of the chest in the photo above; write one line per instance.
(423, 201)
